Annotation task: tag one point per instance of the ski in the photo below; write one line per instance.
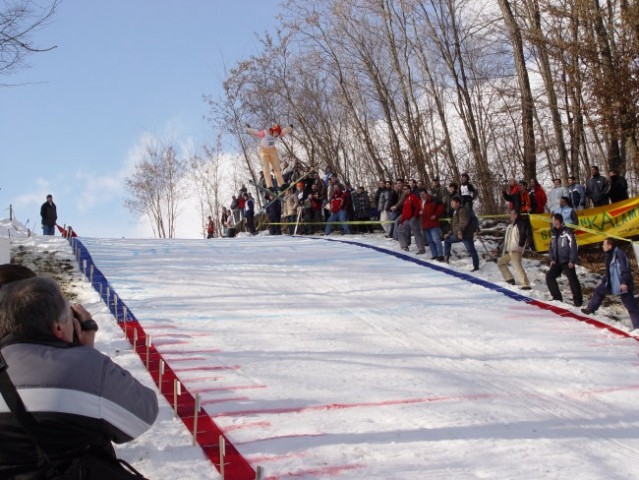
(278, 196)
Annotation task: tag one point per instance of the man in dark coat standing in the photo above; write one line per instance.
(563, 259)
(249, 213)
(618, 187)
(49, 214)
(598, 188)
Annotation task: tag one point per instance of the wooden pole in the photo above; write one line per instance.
(177, 391)
(222, 444)
(148, 350)
(160, 375)
(195, 414)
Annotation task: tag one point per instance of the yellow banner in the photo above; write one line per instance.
(620, 219)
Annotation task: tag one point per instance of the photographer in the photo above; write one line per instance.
(79, 399)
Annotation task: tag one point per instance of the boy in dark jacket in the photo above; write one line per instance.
(563, 259)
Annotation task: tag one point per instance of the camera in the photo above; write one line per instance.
(89, 325)
(85, 325)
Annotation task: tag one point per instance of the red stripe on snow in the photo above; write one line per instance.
(277, 458)
(246, 426)
(208, 432)
(188, 359)
(590, 321)
(214, 401)
(189, 352)
(224, 389)
(342, 406)
(205, 368)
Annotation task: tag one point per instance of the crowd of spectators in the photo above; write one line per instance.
(308, 203)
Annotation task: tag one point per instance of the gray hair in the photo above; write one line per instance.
(30, 308)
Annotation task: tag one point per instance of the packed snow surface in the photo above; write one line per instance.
(322, 359)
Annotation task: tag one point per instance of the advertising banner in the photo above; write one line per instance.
(620, 219)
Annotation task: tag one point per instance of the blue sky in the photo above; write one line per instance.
(122, 69)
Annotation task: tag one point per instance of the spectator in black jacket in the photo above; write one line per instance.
(563, 259)
(598, 188)
(249, 212)
(79, 397)
(49, 215)
(381, 187)
(618, 187)
(362, 206)
(274, 214)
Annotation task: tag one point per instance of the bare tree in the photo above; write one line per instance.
(399, 88)
(18, 21)
(157, 187)
(210, 181)
(525, 92)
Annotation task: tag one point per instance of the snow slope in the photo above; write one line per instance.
(165, 451)
(321, 359)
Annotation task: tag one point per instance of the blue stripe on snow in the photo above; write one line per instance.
(463, 276)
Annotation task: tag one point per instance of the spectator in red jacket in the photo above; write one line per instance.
(339, 205)
(410, 222)
(432, 210)
(541, 198)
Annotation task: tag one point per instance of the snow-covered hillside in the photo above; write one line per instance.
(323, 359)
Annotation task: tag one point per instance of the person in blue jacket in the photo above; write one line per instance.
(616, 281)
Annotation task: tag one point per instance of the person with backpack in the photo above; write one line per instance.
(75, 400)
(462, 230)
